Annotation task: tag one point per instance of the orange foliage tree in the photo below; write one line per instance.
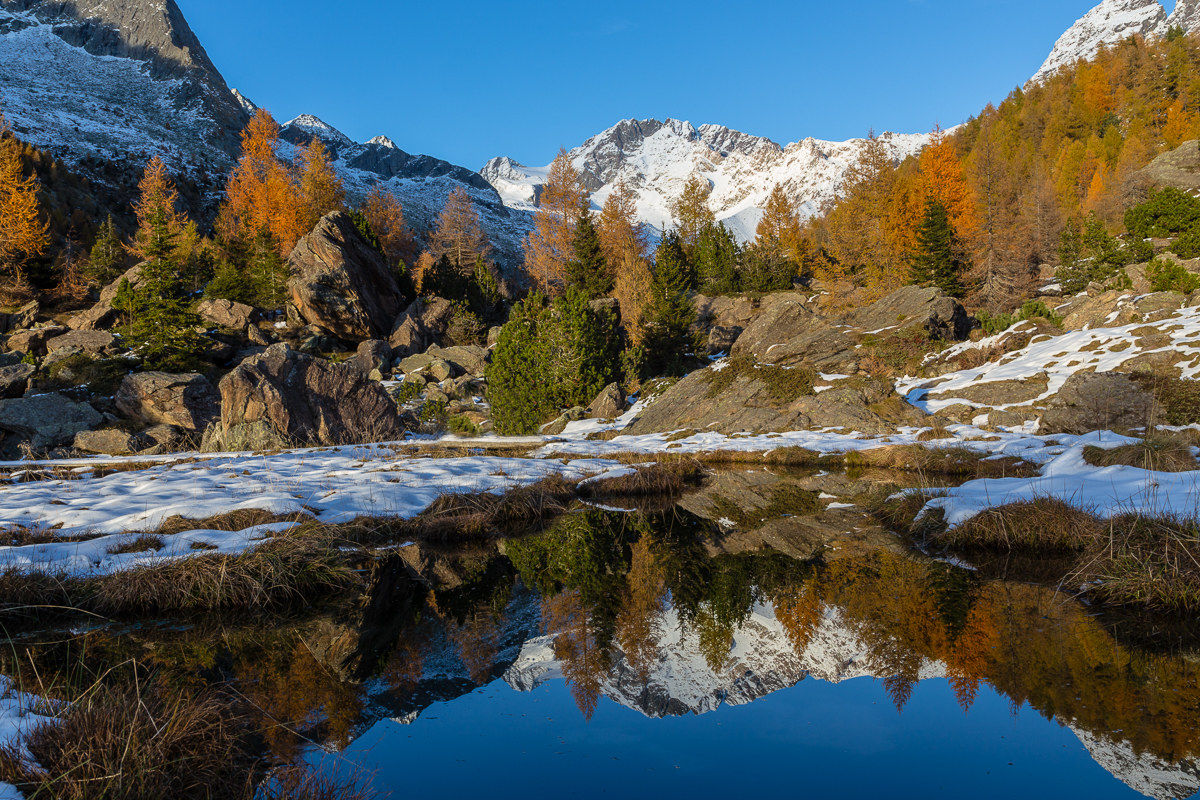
(385, 215)
(548, 247)
(261, 195)
(321, 190)
(24, 232)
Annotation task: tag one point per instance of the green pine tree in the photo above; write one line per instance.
(587, 270)
(161, 328)
(671, 314)
(717, 256)
(107, 260)
(267, 271)
(938, 259)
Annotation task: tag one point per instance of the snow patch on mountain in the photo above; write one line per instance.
(1112, 22)
(655, 160)
(1142, 772)
(83, 108)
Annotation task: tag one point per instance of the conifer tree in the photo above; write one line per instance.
(458, 235)
(671, 315)
(107, 259)
(692, 213)
(548, 248)
(587, 271)
(937, 259)
(717, 258)
(386, 217)
(262, 193)
(321, 190)
(24, 232)
(618, 227)
(161, 328)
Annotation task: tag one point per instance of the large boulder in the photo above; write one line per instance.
(1178, 168)
(725, 311)
(421, 326)
(341, 283)
(186, 401)
(374, 357)
(283, 397)
(94, 343)
(787, 333)
(940, 316)
(470, 359)
(33, 341)
(225, 313)
(47, 420)
(1094, 401)
(609, 404)
(750, 399)
(103, 315)
(23, 317)
(110, 442)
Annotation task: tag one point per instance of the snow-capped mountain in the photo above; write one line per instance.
(104, 85)
(1112, 22)
(1142, 771)
(422, 183)
(656, 159)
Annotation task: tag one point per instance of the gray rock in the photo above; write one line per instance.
(47, 420)
(103, 314)
(721, 338)
(609, 404)
(470, 359)
(284, 397)
(341, 283)
(24, 317)
(92, 342)
(374, 355)
(422, 325)
(787, 333)
(186, 401)
(112, 442)
(1100, 401)
(941, 317)
(33, 340)
(226, 313)
(14, 380)
(440, 370)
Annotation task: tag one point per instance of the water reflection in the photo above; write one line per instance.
(677, 613)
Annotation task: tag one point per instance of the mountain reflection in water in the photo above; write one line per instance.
(657, 622)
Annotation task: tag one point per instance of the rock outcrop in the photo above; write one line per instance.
(103, 314)
(1091, 401)
(787, 333)
(421, 326)
(225, 314)
(941, 317)
(341, 283)
(284, 398)
(44, 421)
(186, 401)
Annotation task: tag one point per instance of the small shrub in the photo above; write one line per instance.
(1168, 276)
(1166, 212)
(1188, 245)
(462, 426)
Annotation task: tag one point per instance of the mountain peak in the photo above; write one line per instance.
(315, 127)
(1186, 15)
(1111, 22)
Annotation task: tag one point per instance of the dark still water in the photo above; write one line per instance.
(760, 637)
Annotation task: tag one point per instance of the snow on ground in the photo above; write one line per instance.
(335, 485)
(17, 718)
(1058, 358)
(1104, 491)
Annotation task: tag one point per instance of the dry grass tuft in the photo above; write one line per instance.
(295, 783)
(146, 543)
(232, 521)
(660, 478)
(122, 742)
(483, 513)
(278, 574)
(1145, 561)
(1157, 453)
(1044, 525)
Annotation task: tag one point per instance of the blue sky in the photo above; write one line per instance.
(466, 80)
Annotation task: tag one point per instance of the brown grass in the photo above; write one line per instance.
(659, 478)
(1043, 525)
(122, 742)
(1156, 452)
(294, 783)
(238, 520)
(484, 512)
(280, 573)
(1145, 561)
(145, 543)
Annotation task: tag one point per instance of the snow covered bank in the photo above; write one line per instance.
(335, 485)
(1103, 491)
(17, 718)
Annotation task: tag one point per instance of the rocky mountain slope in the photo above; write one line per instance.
(655, 159)
(1114, 21)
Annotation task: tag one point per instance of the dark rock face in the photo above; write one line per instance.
(186, 401)
(342, 284)
(421, 326)
(786, 333)
(47, 420)
(14, 380)
(1100, 401)
(942, 317)
(283, 397)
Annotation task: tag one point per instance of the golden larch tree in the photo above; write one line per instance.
(24, 231)
(386, 218)
(942, 179)
(261, 194)
(778, 231)
(458, 234)
(632, 284)
(691, 212)
(321, 190)
(548, 247)
(618, 227)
